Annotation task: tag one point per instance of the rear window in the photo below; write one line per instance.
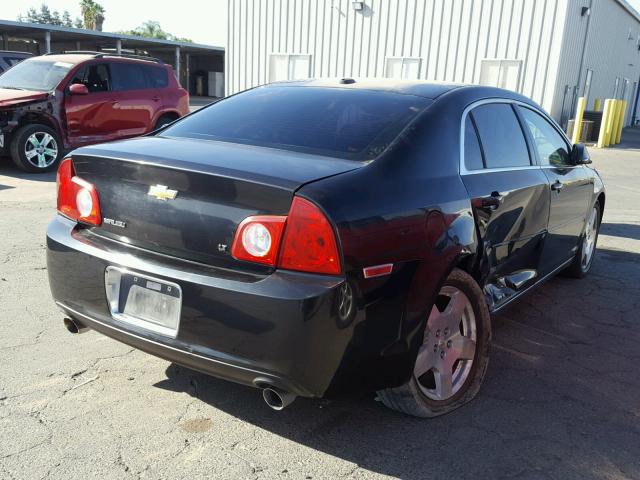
(338, 122)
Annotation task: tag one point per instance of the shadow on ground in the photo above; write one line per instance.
(7, 168)
(561, 398)
(622, 230)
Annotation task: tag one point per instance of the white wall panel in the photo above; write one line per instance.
(451, 37)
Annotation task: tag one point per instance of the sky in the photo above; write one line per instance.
(203, 21)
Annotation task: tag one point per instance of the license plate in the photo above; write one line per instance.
(144, 301)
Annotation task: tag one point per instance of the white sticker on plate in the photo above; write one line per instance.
(154, 286)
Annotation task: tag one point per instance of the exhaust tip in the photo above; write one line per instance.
(277, 399)
(74, 327)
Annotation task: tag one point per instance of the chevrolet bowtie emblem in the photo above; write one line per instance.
(162, 192)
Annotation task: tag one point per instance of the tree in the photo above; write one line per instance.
(67, 21)
(92, 14)
(46, 16)
(152, 29)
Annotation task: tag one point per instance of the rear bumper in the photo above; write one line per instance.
(281, 329)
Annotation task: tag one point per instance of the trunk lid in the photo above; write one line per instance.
(216, 186)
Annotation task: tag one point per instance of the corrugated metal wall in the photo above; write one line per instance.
(451, 37)
(611, 51)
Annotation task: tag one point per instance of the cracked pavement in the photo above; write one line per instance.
(561, 398)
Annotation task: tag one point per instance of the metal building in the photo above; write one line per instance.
(550, 50)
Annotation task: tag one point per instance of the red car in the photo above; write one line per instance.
(53, 103)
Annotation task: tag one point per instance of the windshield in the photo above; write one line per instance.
(339, 122)
(35, 74)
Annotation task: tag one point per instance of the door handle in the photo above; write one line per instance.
(557, 186)
(493, 201)
(155, 99)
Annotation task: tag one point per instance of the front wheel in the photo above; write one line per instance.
(453, 358)
(36, 148)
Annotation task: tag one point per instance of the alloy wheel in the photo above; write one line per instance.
(41, 149)
(589, 240)
(446, 356)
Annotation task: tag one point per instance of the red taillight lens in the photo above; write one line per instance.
(309, 244)
(77, 198)
(303, 241)
(258, 239)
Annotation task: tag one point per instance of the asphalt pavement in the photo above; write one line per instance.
(561, 398)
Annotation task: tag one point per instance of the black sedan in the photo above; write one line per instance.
(317, 238)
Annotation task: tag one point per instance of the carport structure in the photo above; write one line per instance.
(199, 67)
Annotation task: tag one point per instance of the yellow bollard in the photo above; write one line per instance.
(623, 110)
(611, 136)
(609, 124)
(597, 105)
(577, 124)
(606, 114)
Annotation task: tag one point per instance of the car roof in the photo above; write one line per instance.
(76, 58)
(419, 88)
(422, 88)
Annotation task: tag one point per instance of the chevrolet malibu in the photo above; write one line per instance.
(316, 238)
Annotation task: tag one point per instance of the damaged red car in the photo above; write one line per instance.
(54, 103)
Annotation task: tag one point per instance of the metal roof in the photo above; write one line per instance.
(71, 33)
(627, 6)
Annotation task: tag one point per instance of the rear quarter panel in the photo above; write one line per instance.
(410, 208)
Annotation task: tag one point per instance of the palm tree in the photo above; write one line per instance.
(93, 14)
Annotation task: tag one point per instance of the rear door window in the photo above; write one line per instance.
(501, 136)
(551, 147)
(339, 122)
(472, 151)
(128, 76)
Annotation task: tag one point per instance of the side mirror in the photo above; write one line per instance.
(580, 155)
(78, 89)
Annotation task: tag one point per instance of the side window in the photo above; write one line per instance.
(95, 77)
(501, 137)
(472, 151)
(158, 77)
(128, 76)
(552, 148)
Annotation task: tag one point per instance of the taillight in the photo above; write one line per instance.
(302, 241)
(258, 239)
(77, 198)
(309, 244)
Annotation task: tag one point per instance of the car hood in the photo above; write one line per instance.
(10, 97)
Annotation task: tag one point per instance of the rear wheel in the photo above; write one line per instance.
(36, 148)
(587, 251)
(453, 358)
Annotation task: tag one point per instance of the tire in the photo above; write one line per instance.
(164, 120)
(45, 153)
(420, 396)
(583, 260)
